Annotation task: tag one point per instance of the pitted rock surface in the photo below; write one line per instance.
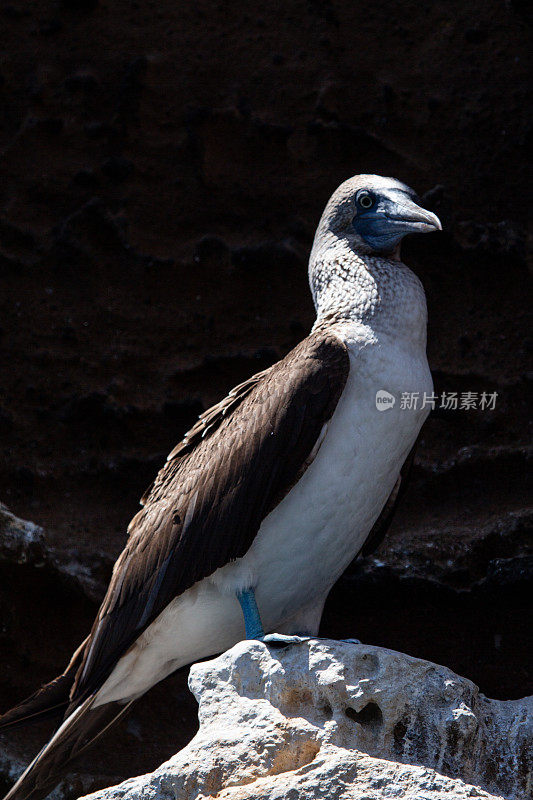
(335, 719)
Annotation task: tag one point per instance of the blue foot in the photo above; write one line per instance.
(351, 641)
(282, 640)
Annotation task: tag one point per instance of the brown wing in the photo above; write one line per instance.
(383, 522)
(209, 500)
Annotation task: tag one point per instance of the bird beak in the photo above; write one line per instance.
(406, 216)
(394, 217)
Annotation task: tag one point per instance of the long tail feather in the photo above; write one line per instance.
(51, 700)
(78, 732)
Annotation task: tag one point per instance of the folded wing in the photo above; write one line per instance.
(207, 503)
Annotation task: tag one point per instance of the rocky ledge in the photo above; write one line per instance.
(329, 719)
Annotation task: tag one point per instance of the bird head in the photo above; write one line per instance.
(374, 214)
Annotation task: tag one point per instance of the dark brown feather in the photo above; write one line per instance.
(80, 732)
(51, 700)
(207, 504)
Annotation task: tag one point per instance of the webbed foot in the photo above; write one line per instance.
(283, 640)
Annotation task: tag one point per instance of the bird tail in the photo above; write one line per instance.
(79, 731)
(51, 700)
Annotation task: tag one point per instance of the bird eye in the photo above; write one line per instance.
(365, 199)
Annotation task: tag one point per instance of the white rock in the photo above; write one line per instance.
(334, 720)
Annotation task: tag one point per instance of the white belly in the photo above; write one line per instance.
(309, 539)
(306, 543)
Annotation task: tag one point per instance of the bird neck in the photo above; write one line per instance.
(377, 292)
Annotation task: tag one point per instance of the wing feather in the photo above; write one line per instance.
(208, 502)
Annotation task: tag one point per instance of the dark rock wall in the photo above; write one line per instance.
(164, 166)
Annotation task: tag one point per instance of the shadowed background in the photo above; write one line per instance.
(164, 166)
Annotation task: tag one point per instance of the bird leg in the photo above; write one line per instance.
(252, 619)
(254, 627)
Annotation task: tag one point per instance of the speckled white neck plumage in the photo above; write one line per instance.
(378, 292)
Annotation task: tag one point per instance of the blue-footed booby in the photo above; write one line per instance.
(274, 491)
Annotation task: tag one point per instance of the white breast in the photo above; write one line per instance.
(305, 544)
